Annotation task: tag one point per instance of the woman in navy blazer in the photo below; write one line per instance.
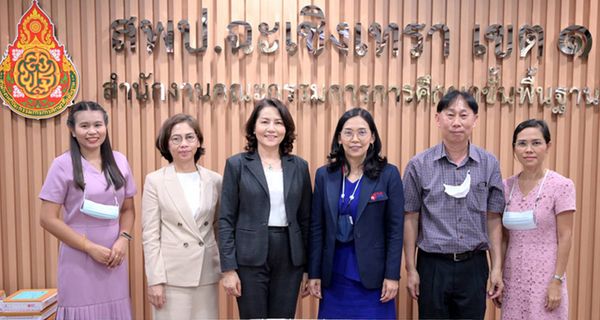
(357, 223)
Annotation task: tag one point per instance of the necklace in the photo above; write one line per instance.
(269, 165)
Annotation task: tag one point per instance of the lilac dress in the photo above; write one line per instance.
(86, 288)
(531, 254)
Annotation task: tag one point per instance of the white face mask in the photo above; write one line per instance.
(99, 210)
(521, 220)
(461, 190)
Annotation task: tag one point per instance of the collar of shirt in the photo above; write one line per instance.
(440, 153)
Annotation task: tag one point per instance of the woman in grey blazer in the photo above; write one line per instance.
(264, 217)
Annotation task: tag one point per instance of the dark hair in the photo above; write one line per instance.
(452, 95)
(532, 123)
(374, 162)
(287, 144)
(109, 165)
(164, 134)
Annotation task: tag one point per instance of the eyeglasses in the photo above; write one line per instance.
(178, 139)
(522, 144)
(348, 134)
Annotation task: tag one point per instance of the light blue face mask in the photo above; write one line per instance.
(98, 210)
(521, 220)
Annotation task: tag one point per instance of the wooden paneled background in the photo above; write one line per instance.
(28, 255)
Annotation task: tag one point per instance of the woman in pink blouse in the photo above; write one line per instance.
(538, 221)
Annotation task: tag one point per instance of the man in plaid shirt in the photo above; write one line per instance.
(453, 200)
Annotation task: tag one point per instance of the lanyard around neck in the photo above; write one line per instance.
(343, 195)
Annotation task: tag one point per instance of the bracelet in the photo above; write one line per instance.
(126, 236)
(559, 278)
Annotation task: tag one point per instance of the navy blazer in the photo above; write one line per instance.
(245, 206)
(378, 229)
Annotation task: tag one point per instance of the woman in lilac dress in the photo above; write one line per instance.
(538, 222)
(93, 188)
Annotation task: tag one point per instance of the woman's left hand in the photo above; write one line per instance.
(117, 253)
(553, 295)
(304, 291)
(389, 290)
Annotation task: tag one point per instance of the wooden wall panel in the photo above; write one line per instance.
(28, 255)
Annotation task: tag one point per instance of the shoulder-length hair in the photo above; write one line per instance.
(374, 162)
(109, 165)
(287, 144)
(164, 134)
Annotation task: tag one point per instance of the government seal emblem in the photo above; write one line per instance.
(37, 78)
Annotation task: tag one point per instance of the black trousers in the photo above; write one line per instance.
(271, 290)
(452, 290)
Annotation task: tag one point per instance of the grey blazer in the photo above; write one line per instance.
(245, 206)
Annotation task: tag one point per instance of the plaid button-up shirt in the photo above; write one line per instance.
(447, 224)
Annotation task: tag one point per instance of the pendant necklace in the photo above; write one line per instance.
(269, 165)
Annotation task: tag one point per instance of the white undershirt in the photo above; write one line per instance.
(190, 183)
(277, 216)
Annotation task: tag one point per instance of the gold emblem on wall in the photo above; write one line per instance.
(37, 78)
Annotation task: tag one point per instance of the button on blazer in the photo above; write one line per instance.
(245, 207)
(178, 249)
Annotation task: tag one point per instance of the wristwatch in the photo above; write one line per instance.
(126, 235)
(559, 278)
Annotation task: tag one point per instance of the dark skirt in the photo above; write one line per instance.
(349, 299)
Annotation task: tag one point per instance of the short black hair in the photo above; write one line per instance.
(287, 144)
(374, 162)
(452, 95)
(164, 134)
(532, 123)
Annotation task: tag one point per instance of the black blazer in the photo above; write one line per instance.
(245, 206)
(378, 229)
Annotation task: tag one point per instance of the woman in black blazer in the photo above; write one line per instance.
(357, 225)
(264, 217)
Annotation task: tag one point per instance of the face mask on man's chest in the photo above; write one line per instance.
(461, 190)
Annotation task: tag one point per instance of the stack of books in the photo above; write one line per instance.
(29, 304)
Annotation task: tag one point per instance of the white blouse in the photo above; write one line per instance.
(190, 183)
(277, 216)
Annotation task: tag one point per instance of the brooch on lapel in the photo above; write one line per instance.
(377, 195)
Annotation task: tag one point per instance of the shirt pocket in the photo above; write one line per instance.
(477, 198)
